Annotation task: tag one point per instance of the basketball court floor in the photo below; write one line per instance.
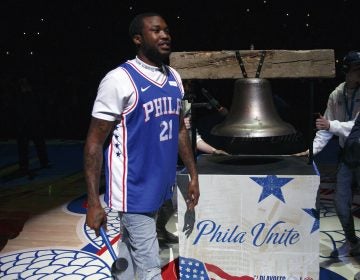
(43, 234)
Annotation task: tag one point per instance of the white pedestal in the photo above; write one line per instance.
(255, 218)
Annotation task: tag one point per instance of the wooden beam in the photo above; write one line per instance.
(277, 64)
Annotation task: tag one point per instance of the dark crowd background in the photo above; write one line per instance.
(64, 48)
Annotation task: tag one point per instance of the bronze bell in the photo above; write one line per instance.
(252, 112)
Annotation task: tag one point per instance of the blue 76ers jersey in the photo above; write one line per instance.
(141, 158)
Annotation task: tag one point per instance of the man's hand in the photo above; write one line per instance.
(302, 154)
(321, 123)
(220, 152)
(95, 218)
(193, 194)
(223, 111)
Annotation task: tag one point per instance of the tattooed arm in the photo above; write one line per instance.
(93, 159)
(187, 157)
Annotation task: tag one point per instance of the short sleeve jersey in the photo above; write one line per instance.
(140, 160)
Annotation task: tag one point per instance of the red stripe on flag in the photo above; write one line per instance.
(171, 270)
(219, 272)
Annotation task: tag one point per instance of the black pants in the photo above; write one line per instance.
(25, 135)
(164, 214)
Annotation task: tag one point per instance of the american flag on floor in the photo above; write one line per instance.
(194, 269)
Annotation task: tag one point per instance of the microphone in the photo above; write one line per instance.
(213, 102)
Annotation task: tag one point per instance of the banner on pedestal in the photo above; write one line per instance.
(261, 227)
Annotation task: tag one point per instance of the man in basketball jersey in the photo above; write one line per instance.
(138, 110)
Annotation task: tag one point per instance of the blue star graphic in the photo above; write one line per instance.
(271, 185)
(315, 214)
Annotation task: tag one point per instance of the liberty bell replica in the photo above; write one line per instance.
(253, 113)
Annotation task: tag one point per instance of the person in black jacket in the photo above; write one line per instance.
(29, 120)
